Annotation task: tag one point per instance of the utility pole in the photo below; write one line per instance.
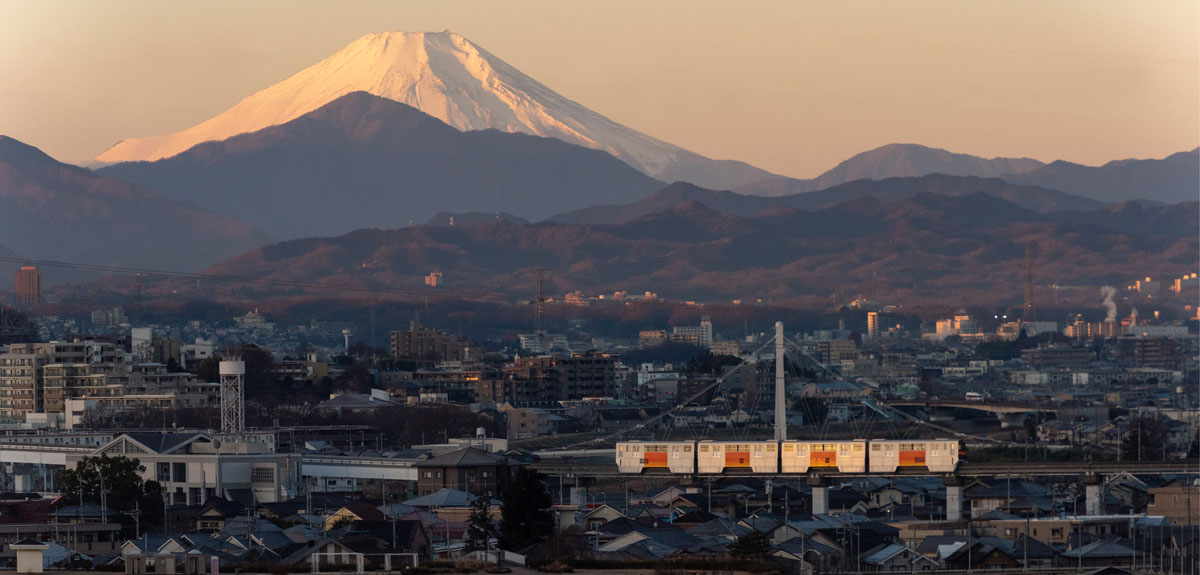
(103, 501)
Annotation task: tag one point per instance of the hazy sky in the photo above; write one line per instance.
(790, 86)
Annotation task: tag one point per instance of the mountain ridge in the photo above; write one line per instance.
(53, 210)
(967, 248)
(891, 161)
(1173, 179)
(892, 189)
(363, 160)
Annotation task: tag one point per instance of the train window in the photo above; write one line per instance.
(789, 447)
(858, 447)
(687, 449)
(875, 446)
(771, 448)
(703, 449)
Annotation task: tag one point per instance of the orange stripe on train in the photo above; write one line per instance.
(912, 458)
(655, 459)
(822, 459)
(737, 459)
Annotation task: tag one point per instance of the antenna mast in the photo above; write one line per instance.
(780, 386)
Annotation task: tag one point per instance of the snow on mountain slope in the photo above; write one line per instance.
(446, 76)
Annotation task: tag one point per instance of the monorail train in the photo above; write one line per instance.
(792, 456)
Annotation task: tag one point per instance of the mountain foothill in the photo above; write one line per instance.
(364, 189)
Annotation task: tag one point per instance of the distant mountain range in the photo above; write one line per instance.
(363, 161)
(51, 210)
(1036, 199)
(1169, 180)
(925, 249)
(456, 81)
(894, 161)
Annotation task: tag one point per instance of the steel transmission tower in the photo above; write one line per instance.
(233, 410)
(539, 297)
(1028, 316)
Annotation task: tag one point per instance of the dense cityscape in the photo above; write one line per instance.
(1082, 434)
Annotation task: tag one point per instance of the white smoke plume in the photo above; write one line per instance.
(1108, 292)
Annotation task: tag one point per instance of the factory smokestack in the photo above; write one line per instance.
(1108, 292)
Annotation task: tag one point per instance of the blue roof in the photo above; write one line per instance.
(884, 554)
(445, 498)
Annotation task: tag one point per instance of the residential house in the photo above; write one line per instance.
(468, 469)
(981, 555)
(896, 558)
(352, 513)
(1107, 552)
(1176, 500)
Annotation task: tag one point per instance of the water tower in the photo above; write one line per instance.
(233, 411)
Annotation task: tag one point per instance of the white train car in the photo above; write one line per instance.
(675, 456)
(940, 455)
(719, 456)
(845, 456)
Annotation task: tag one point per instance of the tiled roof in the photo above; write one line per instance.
(443, 498)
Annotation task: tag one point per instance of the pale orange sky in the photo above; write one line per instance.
(790, 86)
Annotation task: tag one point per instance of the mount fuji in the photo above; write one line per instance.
(454, 80)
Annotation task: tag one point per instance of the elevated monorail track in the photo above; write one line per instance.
(594, 468)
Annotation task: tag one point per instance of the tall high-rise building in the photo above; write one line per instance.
(872, 324)
(29, 285)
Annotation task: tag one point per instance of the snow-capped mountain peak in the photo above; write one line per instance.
(451, 78)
